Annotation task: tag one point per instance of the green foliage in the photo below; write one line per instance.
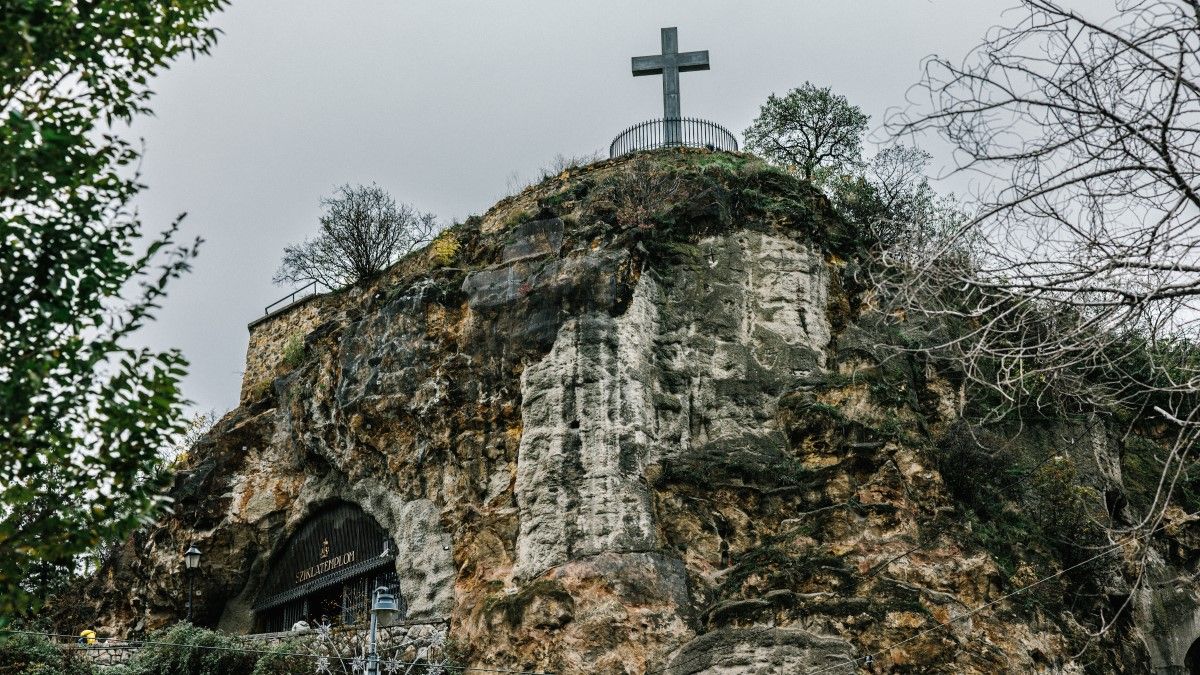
(890, 200)
(294, 351)
(981, 473)
(188, 650)
(559, 201)
(259, 390)
(1139, 372)
(1025, 508)
(285, 658)
(976, 467)
(1056, 499)
(35, 655)
(811, 130)
(1004, 533)
(672, 196)
(886, 200)
(518, 218)
(1141, 469)
(82, 414)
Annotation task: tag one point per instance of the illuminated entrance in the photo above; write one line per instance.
(327, 569)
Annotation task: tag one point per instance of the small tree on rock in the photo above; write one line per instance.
(363, 231)
(811, 130)
(819, 134)
(890, 197)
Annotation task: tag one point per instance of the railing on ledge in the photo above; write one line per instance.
(306, 291)
(672, 133)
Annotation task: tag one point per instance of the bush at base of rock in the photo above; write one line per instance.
(284, 659)
(35, 655)
(188, 650)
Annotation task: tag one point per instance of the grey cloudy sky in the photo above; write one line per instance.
(442, 102)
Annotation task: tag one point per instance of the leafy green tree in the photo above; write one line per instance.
(811, 130)
(83, 415)
(819, 134)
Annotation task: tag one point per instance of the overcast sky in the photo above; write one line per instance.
(447, 104)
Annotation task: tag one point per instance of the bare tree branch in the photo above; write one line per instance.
(1074, 288)
(363, 231)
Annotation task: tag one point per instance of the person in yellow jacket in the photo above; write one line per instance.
(87, 637)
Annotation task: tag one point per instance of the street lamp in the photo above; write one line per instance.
(384, 603)
(191, 559)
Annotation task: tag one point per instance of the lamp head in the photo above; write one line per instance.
(191, 557)
(385, 603)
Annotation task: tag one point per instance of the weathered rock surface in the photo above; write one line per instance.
(607, 442)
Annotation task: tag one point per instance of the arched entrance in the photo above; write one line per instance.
(327, 568)
(1191, 662)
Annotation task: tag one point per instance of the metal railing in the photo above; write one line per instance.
(306, 291)
(671, 133)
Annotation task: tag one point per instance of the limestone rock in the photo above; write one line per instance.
(607, 445)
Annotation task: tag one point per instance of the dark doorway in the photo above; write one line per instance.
(1191, 662)
(326, 603)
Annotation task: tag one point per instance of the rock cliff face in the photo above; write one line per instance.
(639, 418)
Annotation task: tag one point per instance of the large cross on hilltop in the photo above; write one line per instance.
(669, 64)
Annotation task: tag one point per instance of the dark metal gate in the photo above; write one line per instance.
(328, 568)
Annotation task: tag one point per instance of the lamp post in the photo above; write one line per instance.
(383, 602)
(191, 559)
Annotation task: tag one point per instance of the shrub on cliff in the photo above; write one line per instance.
(818, 134)
(363, 231)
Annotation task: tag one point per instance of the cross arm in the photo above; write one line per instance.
(689, 61)
(647, 65)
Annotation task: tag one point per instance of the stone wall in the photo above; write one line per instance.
(111, 653)
(269, 336)
(402, 641)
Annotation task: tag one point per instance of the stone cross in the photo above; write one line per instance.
(669, 64)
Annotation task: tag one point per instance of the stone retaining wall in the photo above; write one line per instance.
(106, 654)
(402, 641)
(269, 337)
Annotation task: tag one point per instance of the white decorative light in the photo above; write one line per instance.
(191, 557)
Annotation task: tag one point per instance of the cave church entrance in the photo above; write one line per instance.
(1191, 661)
(327, 569)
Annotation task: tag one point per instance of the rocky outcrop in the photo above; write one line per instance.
(641, 421)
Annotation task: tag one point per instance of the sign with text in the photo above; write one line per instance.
(332, 540)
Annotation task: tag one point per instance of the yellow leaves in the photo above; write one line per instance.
(841, 548)
(444, 249)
